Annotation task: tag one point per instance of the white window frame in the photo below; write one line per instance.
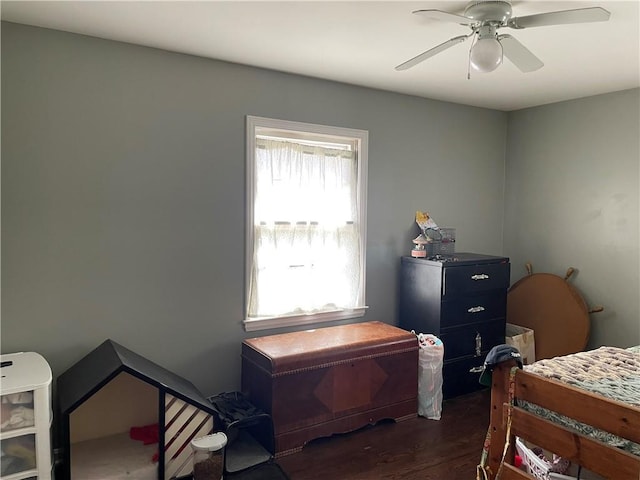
(308, 131)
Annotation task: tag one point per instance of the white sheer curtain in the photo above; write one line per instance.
(306, 240)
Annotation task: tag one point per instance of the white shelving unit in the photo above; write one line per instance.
(25, 431)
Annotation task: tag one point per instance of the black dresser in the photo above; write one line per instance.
(462, 299)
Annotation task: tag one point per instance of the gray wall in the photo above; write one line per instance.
(572, 201)
(123, 194)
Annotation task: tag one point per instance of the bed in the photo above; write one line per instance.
(562, 406)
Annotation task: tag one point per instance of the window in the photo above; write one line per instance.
(306, 223)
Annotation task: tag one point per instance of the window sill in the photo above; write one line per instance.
(264, 323)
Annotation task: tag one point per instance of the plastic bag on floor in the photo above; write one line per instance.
(430, 360)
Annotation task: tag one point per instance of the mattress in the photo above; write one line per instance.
(608, 371)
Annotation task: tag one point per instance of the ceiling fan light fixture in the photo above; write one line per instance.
(486, 55)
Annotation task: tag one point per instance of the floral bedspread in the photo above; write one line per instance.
(609, 371)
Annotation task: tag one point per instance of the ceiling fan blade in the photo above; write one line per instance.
(431, 52)
(444, 16)
(580, 15)
(519, 55)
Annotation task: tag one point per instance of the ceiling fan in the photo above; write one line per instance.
(485, 17)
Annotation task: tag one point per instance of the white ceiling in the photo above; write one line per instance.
(360, 43)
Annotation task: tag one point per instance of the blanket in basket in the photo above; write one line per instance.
(608, 371)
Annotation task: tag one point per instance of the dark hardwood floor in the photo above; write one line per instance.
(445, 449)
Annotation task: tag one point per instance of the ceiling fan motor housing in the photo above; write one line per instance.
(498, 11)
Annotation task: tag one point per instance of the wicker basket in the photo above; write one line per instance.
(536, 466)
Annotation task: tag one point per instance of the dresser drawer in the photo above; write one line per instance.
(471, 279)
(461, 376)
(473, 309)
(465, 341)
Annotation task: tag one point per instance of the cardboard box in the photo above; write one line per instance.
(523, 339)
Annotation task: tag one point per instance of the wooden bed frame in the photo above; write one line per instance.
(602, 413)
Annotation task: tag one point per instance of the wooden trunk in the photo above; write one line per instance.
(316, 383)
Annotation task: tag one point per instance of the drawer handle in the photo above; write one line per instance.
(476, 369)
(478, 344)
(477, 309)
(480, 276)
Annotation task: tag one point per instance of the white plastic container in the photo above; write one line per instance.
(25, 396)
(208, 456)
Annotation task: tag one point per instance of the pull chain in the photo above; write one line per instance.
(473, 42)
